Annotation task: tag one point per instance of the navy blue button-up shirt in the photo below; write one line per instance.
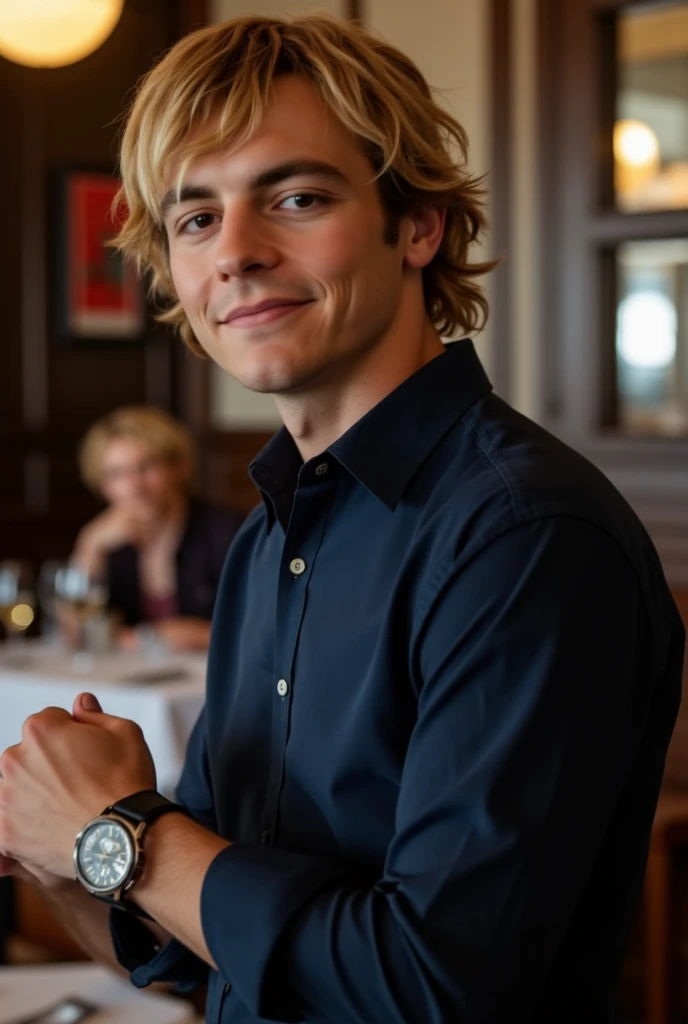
(443, 675)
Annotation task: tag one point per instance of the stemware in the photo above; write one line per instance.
(17, 599)
(80, 596)
(48, 599)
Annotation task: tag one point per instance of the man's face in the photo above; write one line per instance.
(277, 250)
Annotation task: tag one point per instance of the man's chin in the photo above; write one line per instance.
(270, 365)
(271, 377)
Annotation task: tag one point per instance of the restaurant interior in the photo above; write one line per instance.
(577, 116)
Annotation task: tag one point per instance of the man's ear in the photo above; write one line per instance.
(421, 234)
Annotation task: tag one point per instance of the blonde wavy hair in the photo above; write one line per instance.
(163, 436)
(213, 87)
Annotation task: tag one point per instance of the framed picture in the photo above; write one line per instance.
(100, 299)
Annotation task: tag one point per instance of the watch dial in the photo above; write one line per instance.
(105, 855)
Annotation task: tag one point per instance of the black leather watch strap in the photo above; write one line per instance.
(146, 805)
(127, 905)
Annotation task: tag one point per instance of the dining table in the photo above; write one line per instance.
(88, 992)
(162, 692)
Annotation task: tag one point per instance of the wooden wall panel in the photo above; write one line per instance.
(677, 759)
(50, 393)
(224, 471)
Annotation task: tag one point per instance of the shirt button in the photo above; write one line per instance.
(321, 469)
(283, 687)
(297, 566)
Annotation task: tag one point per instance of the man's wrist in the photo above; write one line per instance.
(55, 885)
(173, 843)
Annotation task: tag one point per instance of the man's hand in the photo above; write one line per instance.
(66, 769)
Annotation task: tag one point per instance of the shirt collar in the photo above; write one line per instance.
(386, 447)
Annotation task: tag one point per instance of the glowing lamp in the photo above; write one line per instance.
(52, 33)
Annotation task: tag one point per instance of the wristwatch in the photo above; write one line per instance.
(108, 853)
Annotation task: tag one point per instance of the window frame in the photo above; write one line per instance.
(578, 235)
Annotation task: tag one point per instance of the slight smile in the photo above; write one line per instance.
(264, 313)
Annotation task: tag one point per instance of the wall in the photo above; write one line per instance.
(523, 259)
(220, 10)
(49, 391)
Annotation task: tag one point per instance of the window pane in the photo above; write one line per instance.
(651, 348)
(651, 132)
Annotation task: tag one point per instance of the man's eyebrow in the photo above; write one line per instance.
(296, 169)
(186, 192)
(271, 176)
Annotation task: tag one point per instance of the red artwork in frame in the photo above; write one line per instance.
(100, 297)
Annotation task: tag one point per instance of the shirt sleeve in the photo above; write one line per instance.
(531, 663)
(136, 948)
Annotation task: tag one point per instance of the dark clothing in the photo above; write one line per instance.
(208, 533)
(444, 670)
(156, 608)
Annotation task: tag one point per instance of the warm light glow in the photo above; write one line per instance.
(646, 330)
(636, 160)
(635, 144)
(51, 33)
(22, 616)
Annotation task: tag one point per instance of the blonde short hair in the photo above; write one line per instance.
(162, 435)
(213, 86)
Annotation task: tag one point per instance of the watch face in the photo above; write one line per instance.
(105, 855)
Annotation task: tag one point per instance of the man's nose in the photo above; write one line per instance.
(244, 245)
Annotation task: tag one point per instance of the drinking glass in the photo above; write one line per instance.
(80, 595)
(17, 599)
(48, 599)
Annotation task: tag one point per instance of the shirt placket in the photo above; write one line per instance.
(304, 535)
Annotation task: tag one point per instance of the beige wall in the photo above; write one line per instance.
(525, 340)
(223, 9)
(449, 40)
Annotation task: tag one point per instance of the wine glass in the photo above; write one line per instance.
(17, 599)
(48, 599)
(80, 595)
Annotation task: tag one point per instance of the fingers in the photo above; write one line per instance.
(86, 702)
(98, 718)
(42, 722)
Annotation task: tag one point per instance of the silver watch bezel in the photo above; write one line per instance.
(135, 834)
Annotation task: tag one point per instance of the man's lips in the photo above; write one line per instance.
(263, 312)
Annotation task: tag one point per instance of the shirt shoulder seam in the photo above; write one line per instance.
(500, 470)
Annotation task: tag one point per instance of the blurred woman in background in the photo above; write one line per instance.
(160, 549)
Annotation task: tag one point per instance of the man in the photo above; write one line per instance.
(444, 666)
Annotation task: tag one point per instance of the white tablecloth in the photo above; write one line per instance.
(29, 990)
(163, 695)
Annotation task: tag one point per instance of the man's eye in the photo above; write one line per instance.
(301, 201)
(197, 223)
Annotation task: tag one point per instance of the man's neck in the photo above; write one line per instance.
(317, 417)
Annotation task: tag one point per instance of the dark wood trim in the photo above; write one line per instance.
(615, 5)
(500, 184)
(227, 456)
(608, 90)
(580, 230)
(190, 15)
(354, 10)
(612, 227)
(548, 33)
(32, 248)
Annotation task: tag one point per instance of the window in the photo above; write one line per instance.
(613, 119)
